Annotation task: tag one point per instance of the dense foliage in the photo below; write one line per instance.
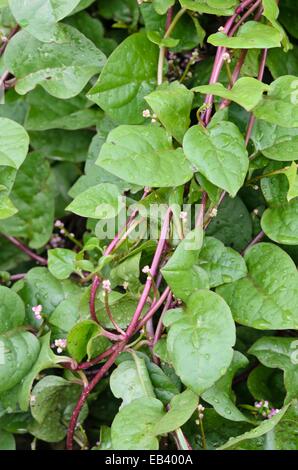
(149, 224)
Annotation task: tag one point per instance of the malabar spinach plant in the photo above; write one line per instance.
(149, 224)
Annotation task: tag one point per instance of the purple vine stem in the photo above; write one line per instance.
(259, 237)
(26, 250)
(219, 58)
(9, 36)
(252, 119)
(136, 323)
(153, 271)
(132, 328)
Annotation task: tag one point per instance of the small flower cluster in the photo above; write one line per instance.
(106, 285)
(146, 270)
(37, 312)
(60, 344)
(183, 216)
(265, 410)
(56, 241)
(147, 114)
(178, 63)
(201, 410)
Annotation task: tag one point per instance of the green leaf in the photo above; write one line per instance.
(172, 105)
(232, 224)
(246, 91)
(127, 271)
(144, 155)
(214, 7)
(181, 272)
(200, 341)
(131, 381)
(45, 360)
(33, 196)
(46, 112)
(14, 143)
(40, 17)
(40, 288)
(280, 353)
(221, 396)
(291, 174)
(181, 409)
(69, 312)
(251, 35)
(7, 441)
(12, 310)
(275, 142)
(280, 63)
(267, 298)
(18, 349)
(279, 106)
(61, 262)
(128, 76)
(7, 209)
(79, 336)
(264, 382)
(157, 38)
(61, 67)
(280, 223)
(222, 264)
(54, 400)
(218, 153)
(19, 352)
(165, 385)
(98, 202)
(162, 6)
(264, 428)
(144, 419)
(138, 418)
(122, 307)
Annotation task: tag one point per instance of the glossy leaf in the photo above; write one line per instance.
(182, 272)
(61, 67)
(128, 76)
(280, 353)
(222, 264)
(172, 104)
(264, 428)
(61, 262)
(267, 298)
(98, 202)
(216, 7)
(40, 17)
(251, 35)
(131, 381)
(144, 155)
(33, 196)
(54, 397)
(139, 434)
(246, 91)
(219, 154)
(221, 396)
(14, 143)
(200, 341)
(279, 106)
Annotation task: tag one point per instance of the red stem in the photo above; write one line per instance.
(252, 119)
(86, 391)
(26, 250)
(153, 270)
(256, 240)
(10, 35)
